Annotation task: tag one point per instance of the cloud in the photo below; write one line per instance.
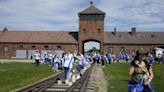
(128, 13)
(62, 15)
(24, 13)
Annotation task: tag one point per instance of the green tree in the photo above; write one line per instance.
(94, 49)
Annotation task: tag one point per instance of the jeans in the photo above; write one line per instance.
(67, 72)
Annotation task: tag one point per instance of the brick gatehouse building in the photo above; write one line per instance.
(21, 44)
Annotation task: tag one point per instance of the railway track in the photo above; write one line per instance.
(52, 85)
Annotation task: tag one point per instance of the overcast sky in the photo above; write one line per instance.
(62, 15)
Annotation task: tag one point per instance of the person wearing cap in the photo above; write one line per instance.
(141, 73)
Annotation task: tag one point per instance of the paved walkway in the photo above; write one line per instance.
(15, 60)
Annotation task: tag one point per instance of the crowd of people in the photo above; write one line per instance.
(77, 63)
(69, 62)
(97, 58)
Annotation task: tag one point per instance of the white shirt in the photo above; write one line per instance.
(68, 60)
(37, 56)
(45, 55)
(56, 59)
(50, 56)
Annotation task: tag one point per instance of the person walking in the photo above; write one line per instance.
(68, 64)
(55, 63)
(141, 74)
(50, 57)
(45, 58)
(37, 58)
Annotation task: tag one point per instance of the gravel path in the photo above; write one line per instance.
(98, 75)
(15, 60)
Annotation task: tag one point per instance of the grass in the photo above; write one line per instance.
(158, 81)
(117, 77)
(15, 75)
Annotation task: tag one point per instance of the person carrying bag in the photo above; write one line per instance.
(141, 74)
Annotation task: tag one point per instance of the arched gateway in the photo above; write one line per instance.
(91, 27)
(90, 44)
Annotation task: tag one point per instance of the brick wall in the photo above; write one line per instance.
(129, 48)
(9, 50)
(92, 30)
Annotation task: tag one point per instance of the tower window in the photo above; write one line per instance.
(98, 30)
(84, 30)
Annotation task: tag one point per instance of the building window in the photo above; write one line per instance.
(46, 47)
(122, 49)
(59, 47)
(128, 52)
(6, 49)
(151, 50)
(134, 51)
(20, 46)
(110, 50)
(84, 30)
(98, 30)
(33, 46)
(152, 35)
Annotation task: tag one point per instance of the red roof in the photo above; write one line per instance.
(92, 10)
(138, 38)
(37, 37)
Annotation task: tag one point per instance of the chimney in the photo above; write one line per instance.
(133, 31)
(5, 29)
(114, 31)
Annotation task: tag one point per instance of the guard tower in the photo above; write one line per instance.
(91, 27)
